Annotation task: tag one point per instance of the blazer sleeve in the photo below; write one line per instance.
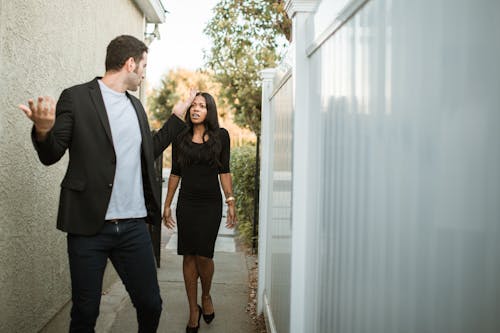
(176, 167)
(59, 138)
(169, 131)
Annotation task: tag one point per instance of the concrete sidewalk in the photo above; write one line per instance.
(229, 294)
(229, 289)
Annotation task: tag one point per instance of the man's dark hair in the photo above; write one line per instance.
(121, 49)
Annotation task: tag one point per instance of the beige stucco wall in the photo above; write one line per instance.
(45, 46)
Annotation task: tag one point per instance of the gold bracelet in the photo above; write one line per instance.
(230, 199)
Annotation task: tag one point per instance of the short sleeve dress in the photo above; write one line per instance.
(199, 206)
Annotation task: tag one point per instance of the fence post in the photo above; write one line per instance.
(299, 11)
(266, 131)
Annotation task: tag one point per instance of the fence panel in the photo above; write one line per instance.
(410, 222)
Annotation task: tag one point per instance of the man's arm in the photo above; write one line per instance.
(173, 126)
(161, 139)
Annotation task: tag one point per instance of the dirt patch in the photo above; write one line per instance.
(253, 275)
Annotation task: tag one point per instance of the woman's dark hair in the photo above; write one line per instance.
(121, 49)
(187, 154)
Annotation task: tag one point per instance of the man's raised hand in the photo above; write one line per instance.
(42, 114)
(181, 107)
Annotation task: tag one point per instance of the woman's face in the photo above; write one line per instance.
(198, 111)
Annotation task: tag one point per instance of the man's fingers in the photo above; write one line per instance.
(39, 105)
(41, 111)
(46, 104)
(31, 104)
(50, 104)
(26, 110)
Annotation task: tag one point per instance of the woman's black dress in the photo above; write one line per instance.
(199, 206)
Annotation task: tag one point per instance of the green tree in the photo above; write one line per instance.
(243, 170)
(247, 36)
(175, 85)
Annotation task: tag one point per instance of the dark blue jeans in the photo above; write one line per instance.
(128, 245)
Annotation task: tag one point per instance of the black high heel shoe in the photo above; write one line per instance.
(195, 329)
(209, 317)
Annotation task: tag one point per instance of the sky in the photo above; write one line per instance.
(182, 39)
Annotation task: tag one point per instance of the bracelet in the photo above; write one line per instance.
(230, 199)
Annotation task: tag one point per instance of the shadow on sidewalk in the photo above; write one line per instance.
(230, 289)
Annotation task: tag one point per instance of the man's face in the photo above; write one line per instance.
(136, 77)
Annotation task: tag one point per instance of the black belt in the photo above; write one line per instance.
(116, 221)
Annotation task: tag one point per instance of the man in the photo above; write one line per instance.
(110, 188)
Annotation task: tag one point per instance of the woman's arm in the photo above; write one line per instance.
(173, 182)
(227, 186)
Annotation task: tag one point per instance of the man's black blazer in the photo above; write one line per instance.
(82, 126)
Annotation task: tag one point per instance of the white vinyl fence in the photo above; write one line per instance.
(380, 178)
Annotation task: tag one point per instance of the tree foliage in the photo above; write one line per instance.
(247, 36)
(243, 170)
(175, 86)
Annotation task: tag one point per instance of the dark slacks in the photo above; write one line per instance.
(128, 245)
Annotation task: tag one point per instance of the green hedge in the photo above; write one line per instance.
(243, 172)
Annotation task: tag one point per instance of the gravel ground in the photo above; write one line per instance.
(253, 274)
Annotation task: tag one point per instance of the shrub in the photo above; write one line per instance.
(243, 172)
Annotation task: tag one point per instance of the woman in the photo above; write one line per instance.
(200, 154)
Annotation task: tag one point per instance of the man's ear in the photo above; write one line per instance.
(130, 64)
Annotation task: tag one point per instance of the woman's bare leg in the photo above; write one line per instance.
(190, 271)
(206, 271)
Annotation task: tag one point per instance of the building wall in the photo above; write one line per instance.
(45, 46)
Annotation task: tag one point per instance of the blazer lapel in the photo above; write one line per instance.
(96, 96)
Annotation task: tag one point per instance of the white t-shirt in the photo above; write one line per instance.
(127, 195)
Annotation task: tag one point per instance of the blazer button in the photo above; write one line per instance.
(110, 185)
